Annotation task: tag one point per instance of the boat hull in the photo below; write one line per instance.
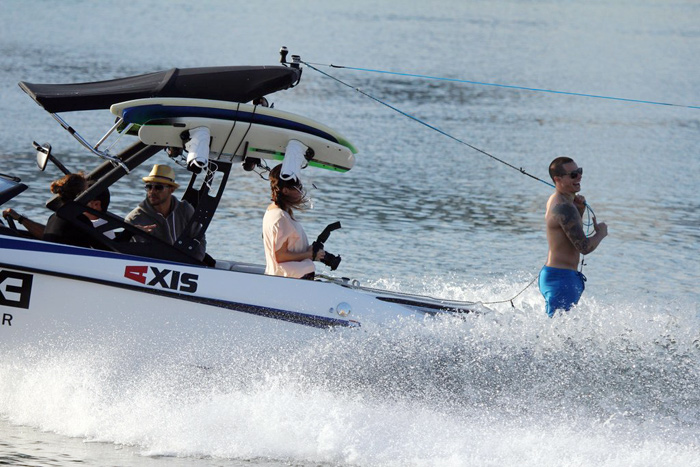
(58, 290)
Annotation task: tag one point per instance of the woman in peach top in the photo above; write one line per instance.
(287, 249)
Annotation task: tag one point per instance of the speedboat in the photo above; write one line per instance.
(152, 286)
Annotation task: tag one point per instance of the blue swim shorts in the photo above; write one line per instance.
(562, 288)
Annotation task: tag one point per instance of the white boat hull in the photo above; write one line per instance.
(51, 289)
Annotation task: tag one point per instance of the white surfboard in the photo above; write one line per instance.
(247, 140)
(266, 131)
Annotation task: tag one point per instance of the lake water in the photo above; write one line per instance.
(615, 382)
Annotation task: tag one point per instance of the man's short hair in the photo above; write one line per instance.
(555, 168)
(103, 197)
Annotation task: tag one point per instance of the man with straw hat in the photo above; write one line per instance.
(161, 214)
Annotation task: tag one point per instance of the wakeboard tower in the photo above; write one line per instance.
(208, 120)
(203, 111)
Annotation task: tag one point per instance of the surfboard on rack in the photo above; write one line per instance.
(242, 130)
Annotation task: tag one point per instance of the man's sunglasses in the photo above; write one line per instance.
(157, 187)
(574, 174)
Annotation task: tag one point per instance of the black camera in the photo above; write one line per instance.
(329, 259)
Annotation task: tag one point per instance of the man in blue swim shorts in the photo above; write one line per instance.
(559, 281)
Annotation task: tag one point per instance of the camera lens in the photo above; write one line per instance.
(331, 260)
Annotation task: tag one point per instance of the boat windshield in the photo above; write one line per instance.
(9, 188)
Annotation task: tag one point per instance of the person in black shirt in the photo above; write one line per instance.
(58, 230)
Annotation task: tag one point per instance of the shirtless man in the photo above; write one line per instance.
(559, 281)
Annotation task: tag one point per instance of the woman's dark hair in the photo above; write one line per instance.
(69, 186)
(278, 197)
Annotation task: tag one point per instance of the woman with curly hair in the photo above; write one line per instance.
(287, 250)
(58, 230)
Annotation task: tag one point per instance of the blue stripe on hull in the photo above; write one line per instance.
(142, 114)
(7, 243)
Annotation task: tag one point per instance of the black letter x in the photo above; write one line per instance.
(160, 277)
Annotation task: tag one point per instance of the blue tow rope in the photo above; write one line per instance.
(522, 88)
(590, 212)
(422, 122)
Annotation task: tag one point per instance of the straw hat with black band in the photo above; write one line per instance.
(162, 174)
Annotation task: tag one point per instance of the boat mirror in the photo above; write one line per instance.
(43, 153)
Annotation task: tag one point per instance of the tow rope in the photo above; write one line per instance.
(508, 86)
(590, 214)
(422, 122)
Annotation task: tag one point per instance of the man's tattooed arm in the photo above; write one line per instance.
(570, 221)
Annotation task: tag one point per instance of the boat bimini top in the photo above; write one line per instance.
(232, 84)
(229, 84)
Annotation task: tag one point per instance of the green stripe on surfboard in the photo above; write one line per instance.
(280, 156)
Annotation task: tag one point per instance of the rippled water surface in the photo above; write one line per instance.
(613, 383)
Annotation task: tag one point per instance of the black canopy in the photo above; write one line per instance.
(234, 84)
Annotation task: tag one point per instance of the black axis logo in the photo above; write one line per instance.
(19, 295)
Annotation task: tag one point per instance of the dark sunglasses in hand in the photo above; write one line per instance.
(157, 187)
